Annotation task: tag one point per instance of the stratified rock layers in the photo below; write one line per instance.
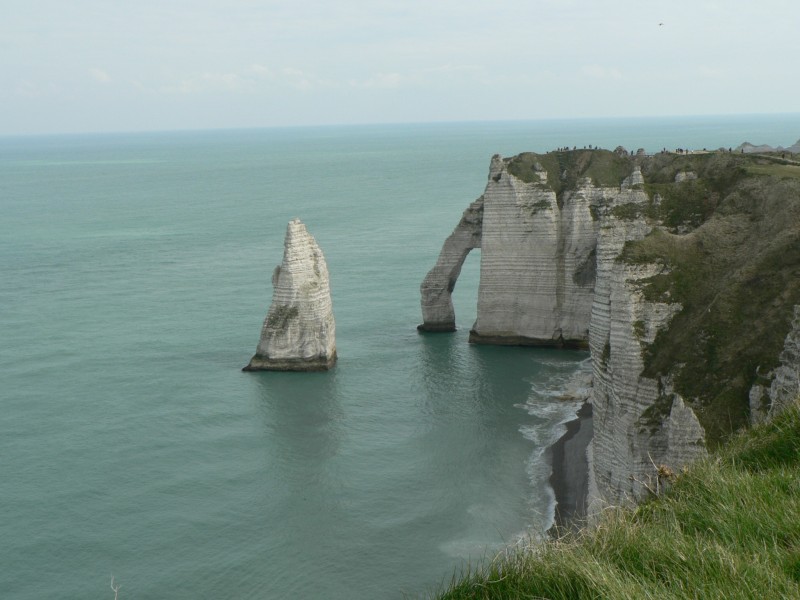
(437, 288)
(537, 263)
(785, 387)
(530, 290)
(679, 273)
(639, 423)
(550, 276)
(299, 331)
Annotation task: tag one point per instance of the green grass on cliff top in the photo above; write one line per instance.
(729, 527)
(564, 169)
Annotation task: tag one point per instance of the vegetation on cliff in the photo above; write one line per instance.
(727, 235)
(727, 527)
(724, 251)
(729, 243)
(565, 168)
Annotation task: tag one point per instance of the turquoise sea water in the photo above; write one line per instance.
(134, 277)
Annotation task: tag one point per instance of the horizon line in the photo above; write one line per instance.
(221, 129)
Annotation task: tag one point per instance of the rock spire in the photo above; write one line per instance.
(299, 331)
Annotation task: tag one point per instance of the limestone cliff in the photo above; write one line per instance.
(299, 331)
(537, 260)
(438, 285)
(537, 236)
(682, 272)
(640, 423)
(784, 387)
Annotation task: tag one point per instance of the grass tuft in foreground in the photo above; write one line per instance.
(729, 527)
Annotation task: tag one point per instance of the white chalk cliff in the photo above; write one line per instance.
(639, 423)
(437, 288)
(537, 261)
(299, 331)
(553, 230)
(784, 389)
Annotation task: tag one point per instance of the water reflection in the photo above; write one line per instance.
(301, 414)
(305, 496)
(478, 379)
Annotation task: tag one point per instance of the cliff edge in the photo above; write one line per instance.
(679, 272)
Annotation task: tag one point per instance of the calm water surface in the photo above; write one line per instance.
(135, 276)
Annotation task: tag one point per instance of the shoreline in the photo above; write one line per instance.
(569, 476)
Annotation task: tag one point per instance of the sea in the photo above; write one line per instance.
(134, 278)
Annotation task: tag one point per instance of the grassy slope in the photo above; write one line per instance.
(729, 527)
(736, 273)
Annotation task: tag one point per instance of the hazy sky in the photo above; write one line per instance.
(121, 65)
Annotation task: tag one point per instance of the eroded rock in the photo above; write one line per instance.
(615, 251)
(437, 287)
(299, 331)
(784, 389)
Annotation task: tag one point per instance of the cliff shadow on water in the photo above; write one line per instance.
(516, 401)
(301, 411)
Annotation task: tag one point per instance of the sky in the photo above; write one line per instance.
(140, 65)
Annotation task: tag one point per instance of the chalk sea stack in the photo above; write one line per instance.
(299, 331)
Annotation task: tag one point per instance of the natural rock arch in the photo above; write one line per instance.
(437, 287)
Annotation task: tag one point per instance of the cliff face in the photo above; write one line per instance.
(299, 331)
(537, 261)
(680, 272)
(538, 256)
(640, 423)
(784, 382)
